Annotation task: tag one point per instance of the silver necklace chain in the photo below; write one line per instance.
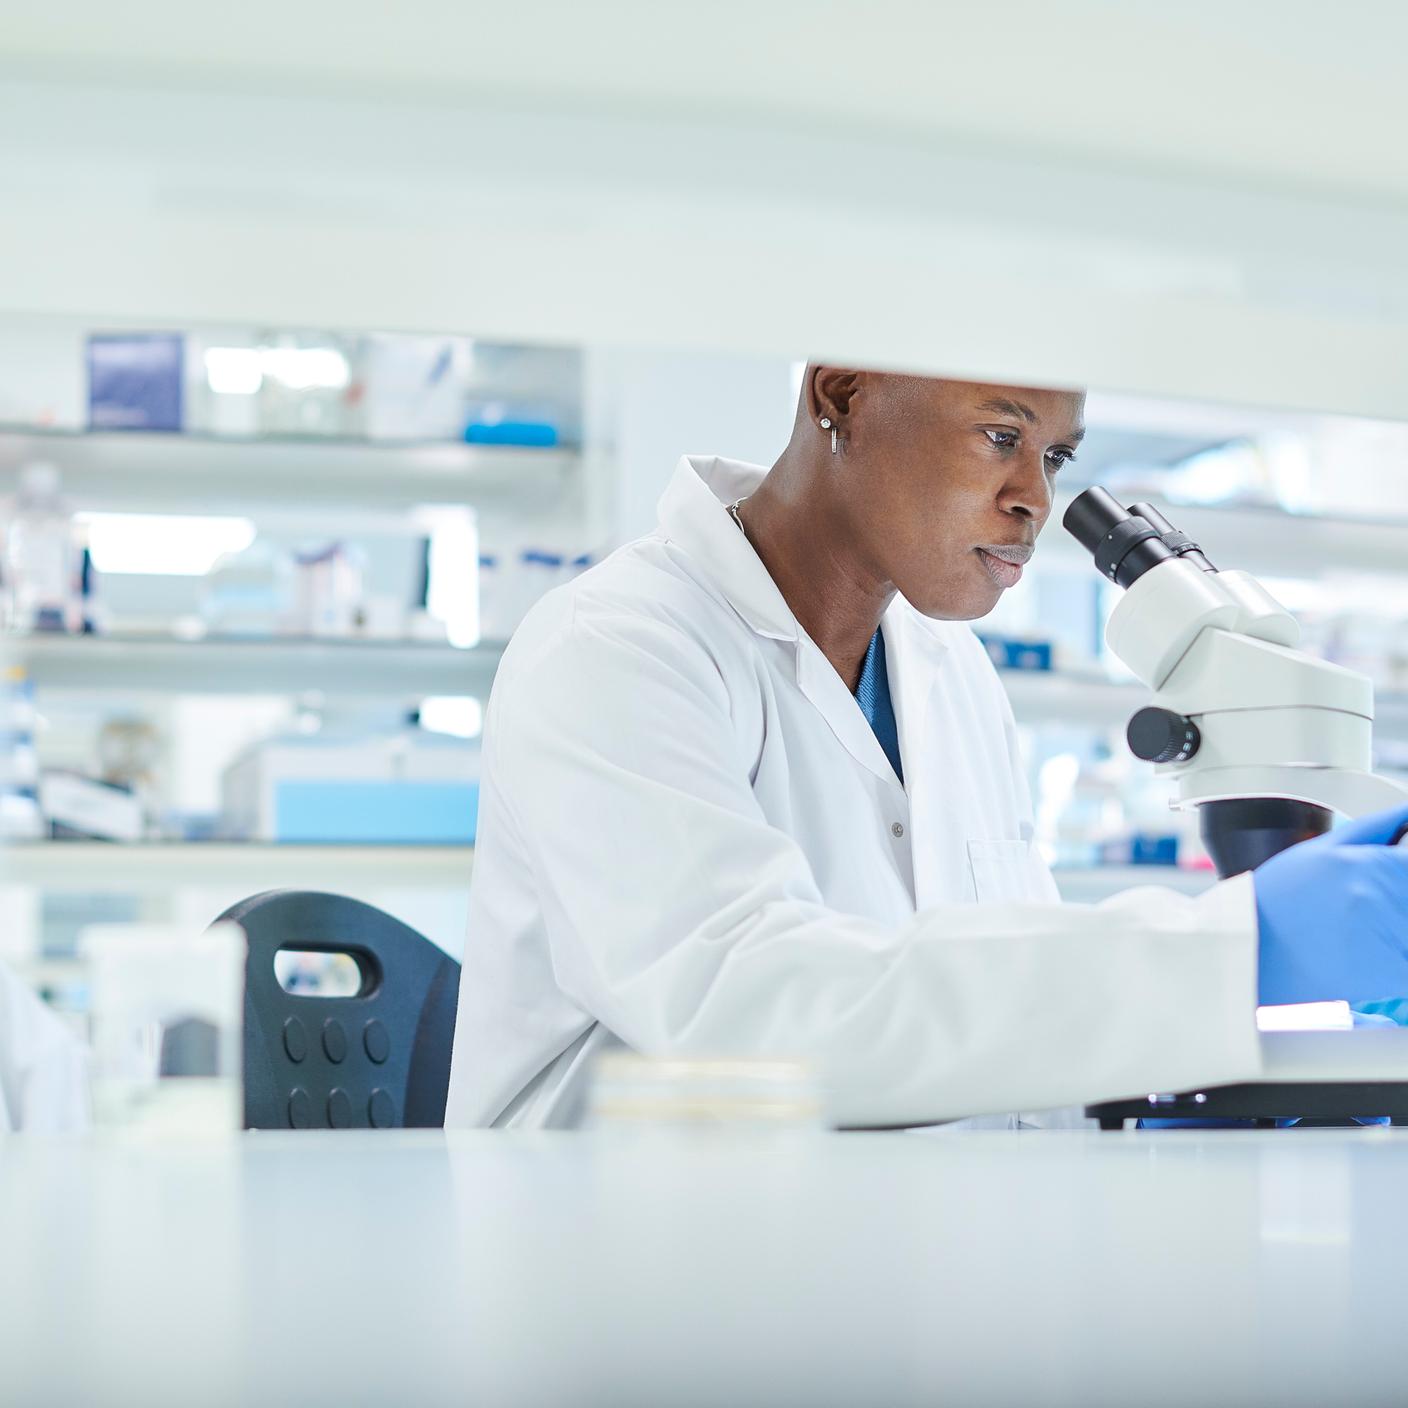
(733, 513)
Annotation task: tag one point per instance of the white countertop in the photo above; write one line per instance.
(964, 1268)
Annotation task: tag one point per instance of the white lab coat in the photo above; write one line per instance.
(43, 1066)
(691, 841)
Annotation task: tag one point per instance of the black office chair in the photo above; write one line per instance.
(379, 1059)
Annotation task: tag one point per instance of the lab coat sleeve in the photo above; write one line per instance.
(687, 924)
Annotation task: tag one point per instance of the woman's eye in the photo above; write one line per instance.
(1005, 439)
(1057, 458)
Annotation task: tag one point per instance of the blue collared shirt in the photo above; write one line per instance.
(873, 696)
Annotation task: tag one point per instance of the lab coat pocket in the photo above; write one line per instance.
(1003, 872)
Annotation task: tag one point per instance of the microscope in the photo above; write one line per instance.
(1267, 743)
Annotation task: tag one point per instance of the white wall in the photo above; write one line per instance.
(646, 408)
(43, 379)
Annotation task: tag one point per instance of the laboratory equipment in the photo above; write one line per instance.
(166, 1024)
(328, 590)
(1014, 653)
(409, 787)
(43, 567)
(83, 807)
(43, 1065)
(136, 381)
(20, 817)
(1266, 742)
(249, 592)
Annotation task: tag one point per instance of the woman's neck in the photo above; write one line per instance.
(811, 554)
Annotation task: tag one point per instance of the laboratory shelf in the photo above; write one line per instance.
(162, 867)
(1267, 541)
(336, 668)
(191, 473)
(1052, 697)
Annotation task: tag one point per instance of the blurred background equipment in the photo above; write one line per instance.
(254, 651)
(166, 1027)
(44, 1066)
(321, 430)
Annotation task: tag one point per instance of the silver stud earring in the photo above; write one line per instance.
(826, 425)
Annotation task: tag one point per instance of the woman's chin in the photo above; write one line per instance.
(969, 606)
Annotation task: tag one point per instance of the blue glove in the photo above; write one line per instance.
(1392, 1013)
(1332, 915)
(1379, 1014)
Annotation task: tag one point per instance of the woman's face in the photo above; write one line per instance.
(948, 483)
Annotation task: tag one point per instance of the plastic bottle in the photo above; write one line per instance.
(43, 557)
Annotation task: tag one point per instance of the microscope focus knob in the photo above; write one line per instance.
(1161, 736)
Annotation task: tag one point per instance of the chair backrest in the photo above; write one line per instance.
(378, 1059)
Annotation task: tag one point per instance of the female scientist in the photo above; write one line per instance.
(751, 788)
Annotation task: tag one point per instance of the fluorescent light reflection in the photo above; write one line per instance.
(452, 713)
(233, 371)
(306, 368)
(162, 544)
(453, 593)
(1305, 1017)
(240, 371)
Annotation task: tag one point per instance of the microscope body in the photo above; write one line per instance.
(1218, 650)
(1264, 740)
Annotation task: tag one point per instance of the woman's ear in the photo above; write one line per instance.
(832, 391)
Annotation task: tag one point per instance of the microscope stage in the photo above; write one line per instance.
(1312, 1075)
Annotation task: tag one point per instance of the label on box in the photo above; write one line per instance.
(135, 381)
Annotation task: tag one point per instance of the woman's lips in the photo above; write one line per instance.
(1005, 574)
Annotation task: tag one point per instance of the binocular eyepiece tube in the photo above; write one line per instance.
(1126, 543)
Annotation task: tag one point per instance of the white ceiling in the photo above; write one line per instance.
(1294, 91)
(1188, 199)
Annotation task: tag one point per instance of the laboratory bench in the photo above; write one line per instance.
(649, 1267)
(357, 668)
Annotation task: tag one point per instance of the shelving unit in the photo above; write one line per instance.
(161, 867)
(1048, 696)
(394, 669)
(1267, 541)
(189, 473)
(158, 868)
(368, 669)
(350, 486)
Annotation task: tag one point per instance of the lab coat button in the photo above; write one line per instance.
(334, 1040)
(897, 830)
(295, 1039)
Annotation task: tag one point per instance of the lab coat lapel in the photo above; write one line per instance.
(692, 513)
(818, 680)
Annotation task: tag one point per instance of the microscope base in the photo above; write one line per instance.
(1337, 1102)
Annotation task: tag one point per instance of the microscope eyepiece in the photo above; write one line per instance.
(1091, 516)
(1173, 537)
(1124, 547)
(1126, 543)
